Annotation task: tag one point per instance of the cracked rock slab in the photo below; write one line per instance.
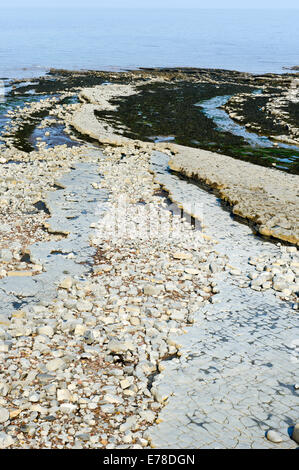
(267, 197)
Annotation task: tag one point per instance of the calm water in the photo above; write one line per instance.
(255, 41)
(212, 109)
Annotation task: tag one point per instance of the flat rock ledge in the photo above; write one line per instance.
(85, 121)
(94, 99)
(267, 197)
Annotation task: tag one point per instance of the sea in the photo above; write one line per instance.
(256, 41)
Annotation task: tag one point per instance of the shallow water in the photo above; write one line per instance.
(10, 104)
(212, 109)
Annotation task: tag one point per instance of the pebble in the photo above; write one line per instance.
(3, 389)
(46, 330)
(295, 433)
(108, 408)
(5, 440)
(116, 346)
(6, 255)
(68, 408)
(151, 290)
(64, 395)
(274, 436)
(4, 415)
(55, 364)
(182, 256)
(279, 273)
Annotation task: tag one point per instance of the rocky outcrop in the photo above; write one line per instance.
(267, 197)
(86, 123)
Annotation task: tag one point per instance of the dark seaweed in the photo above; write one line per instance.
(168, 109)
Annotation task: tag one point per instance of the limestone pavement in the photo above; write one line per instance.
(238, 368)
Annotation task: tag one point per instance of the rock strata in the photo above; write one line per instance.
(86, 357)
(268, 198)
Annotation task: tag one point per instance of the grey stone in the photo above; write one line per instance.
(129, 424)
(116, 346)
(55, 364)
(295, 433)
(274, 436)
(5, 440)
(4, 415)
(46, 330)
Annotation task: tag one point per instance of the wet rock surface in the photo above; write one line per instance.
(274, 114)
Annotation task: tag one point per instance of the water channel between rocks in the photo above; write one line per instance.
(212, 108)
(235, 376)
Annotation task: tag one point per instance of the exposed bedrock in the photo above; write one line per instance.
(273, 113)
(267, 197)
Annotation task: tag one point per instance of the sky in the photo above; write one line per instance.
(283, 4)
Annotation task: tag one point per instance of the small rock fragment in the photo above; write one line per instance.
(274, 436)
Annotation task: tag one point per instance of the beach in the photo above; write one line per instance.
(149, 268)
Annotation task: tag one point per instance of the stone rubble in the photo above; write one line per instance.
(119, 320)
(280, 273)
(82, 370)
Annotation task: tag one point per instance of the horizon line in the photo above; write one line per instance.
(8, 7)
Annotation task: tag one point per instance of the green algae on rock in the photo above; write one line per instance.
(265, 196)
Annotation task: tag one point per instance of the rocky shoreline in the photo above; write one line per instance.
(119, 318)
(261, 195)
(90, 349)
